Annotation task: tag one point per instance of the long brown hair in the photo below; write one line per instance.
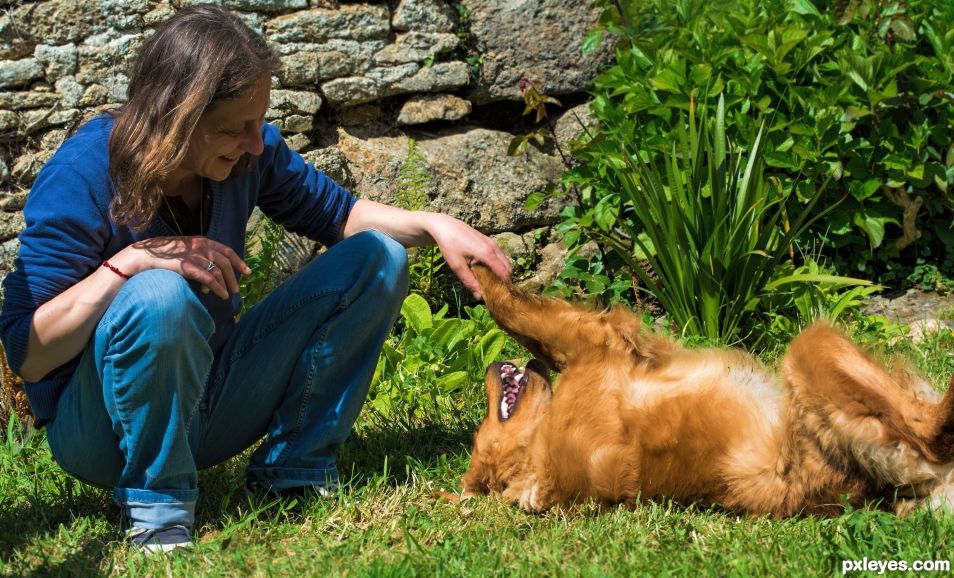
(201, 55)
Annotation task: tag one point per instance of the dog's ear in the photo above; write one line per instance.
(643, 348)
(626, 326)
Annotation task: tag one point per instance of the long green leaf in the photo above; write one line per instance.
(815, 278)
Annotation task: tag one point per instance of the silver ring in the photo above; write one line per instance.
(211, 266)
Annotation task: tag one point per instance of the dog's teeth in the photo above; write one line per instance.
(503, 409)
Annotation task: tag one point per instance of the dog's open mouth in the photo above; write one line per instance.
(513, 380)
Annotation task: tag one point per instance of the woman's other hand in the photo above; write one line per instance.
(212, 264)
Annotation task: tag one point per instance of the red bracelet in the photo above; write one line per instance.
(115, 270)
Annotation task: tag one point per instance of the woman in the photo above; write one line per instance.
(122, 312)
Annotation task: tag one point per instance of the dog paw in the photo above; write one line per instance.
(531, 496)
(940, 500)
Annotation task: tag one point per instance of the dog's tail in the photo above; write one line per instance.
(556, 331)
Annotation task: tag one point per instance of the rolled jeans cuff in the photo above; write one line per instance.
(160, 510)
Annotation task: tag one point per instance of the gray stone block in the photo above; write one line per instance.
(21, 72)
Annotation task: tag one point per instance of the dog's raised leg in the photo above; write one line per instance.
(855, 409)
(556, 331)
(941, 439)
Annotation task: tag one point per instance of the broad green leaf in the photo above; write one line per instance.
(644, 248)
(781, 160)
(700, 74)
(804, 7)
(717, 87)
(896, 162)
(903, 28)
(605, 214)
(785, 145)
(448, 332)
(869, 188)
(417, 313)
(873, 227)
(667, 80)
(412, 363)
(393, 355)
(592, 41)
(518, 145)
(856, 77)
(639, 57)
(534, 200)
(490, 346)
(451, 382)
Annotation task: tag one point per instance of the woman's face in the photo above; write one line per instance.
(227, 130)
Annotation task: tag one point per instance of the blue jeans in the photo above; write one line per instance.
(150, 403)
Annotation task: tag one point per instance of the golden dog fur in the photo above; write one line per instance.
(635, 415)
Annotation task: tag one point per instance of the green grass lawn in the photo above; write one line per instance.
(389, 519)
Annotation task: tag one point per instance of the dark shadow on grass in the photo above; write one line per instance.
(39, 498)
(364, 455)
(363, 459)
(25, 520)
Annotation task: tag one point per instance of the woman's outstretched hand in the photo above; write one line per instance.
(459, 243)
(463, 246)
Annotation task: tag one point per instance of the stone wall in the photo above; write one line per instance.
(358, 80)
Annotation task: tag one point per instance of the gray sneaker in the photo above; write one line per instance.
(256, 491)
(161, 539)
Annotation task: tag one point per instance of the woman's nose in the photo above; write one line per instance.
(252, 142)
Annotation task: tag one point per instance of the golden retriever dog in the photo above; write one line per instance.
(636, 416)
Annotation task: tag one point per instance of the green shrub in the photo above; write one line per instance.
(597, 277)
(792, 306)
(711, 227)
(927, 277)
(858, 90)
(428, 369)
